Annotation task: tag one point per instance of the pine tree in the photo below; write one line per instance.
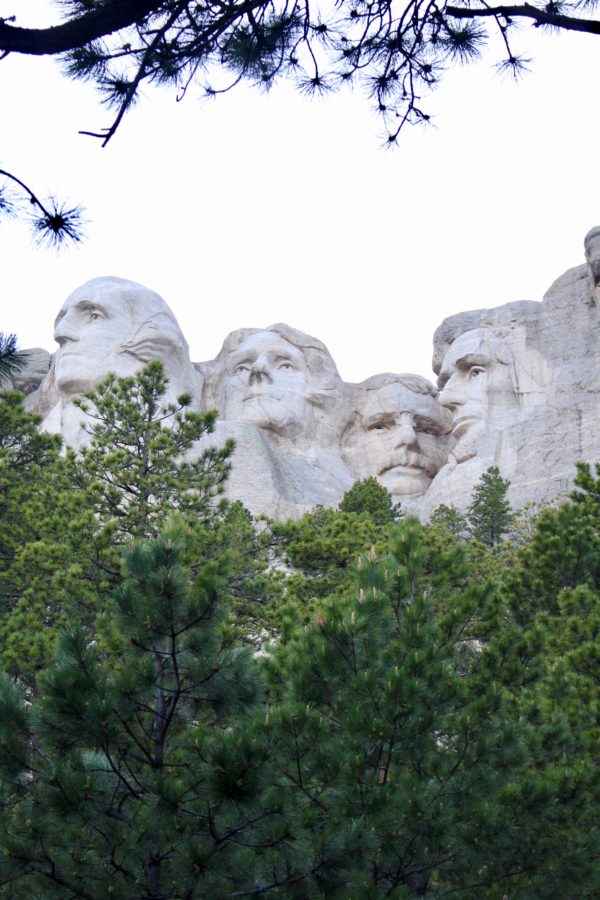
(135, 773)
(318, 554)
(427, 763)
(123, 486)
(556, 586)
(368, 496)
(28, 461)
(10, 358)
(451, 519)
(143, 461)
(490, 515)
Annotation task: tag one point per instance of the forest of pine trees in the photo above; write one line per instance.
(194, 704)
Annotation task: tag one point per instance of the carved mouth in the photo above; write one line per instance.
(412, 467)
(401, 467)
(260, 396)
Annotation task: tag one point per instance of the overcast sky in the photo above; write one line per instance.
(260, 208)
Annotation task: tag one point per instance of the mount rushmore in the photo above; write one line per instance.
(518, 387)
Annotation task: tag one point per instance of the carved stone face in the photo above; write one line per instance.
(113, 325)
(91, 328)
(267, 384)
(399, 439)
(471, 378)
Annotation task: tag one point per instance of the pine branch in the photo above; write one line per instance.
(106, 19)
(526, 10)
(52, 222)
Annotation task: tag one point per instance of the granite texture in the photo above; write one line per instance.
(518, 387)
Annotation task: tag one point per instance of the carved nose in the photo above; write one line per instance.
(63, 334)
(406, 435)
(448, 397)
(63, 339)
(449, 404)
(259, 372)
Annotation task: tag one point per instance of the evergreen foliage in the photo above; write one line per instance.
(563, 555)
(422, 719)
(490, 515)
(370, 497)
(133, 774)
(426, 765)
(10, 358)
(319, 553)
(81, 512)
(451, 519)
(135, 470)
(396, 51)
(52, 222)
(28, 462)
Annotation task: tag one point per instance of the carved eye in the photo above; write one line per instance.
(378, 426)
(95, 315)
(475, 371)
(243, 367)
(286, 365)
(425, 429)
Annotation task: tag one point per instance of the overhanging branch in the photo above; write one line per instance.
(527, 11)
(106, 19)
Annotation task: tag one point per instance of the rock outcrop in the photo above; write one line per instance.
(518, 387)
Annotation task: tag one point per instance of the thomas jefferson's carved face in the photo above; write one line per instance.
(399, 439)
(91, 329)
(268, 384)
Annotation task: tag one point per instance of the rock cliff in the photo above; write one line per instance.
(518, 387)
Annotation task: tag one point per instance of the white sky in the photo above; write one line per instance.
(258, 208)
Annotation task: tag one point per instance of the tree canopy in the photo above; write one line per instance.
(489, 514)
(425, 724)
(398, 51)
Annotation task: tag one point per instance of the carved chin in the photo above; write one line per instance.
(468, 445)
(69, 376)
(271, 417)
(402, 481)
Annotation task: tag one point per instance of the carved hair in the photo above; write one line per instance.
(529, 372)
(415, 383)
(326, 393)
(158, 331)
(506, 323)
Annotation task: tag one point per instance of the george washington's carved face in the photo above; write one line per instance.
(267, 383)
(90, 329)
(113, 325)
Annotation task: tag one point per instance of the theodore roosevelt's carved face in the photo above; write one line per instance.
(399, 438)
(267, 383)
